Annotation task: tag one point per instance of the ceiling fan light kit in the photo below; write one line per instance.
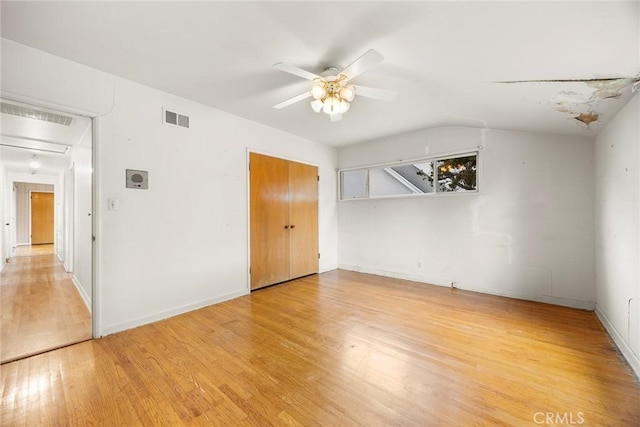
(332, 94)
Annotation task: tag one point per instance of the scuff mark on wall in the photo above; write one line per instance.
(506, 238)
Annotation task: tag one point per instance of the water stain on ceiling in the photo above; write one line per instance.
(582, 103)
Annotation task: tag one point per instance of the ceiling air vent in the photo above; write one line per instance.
(172, 118)
(30, 113)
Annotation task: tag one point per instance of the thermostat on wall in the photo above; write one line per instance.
(137, 179)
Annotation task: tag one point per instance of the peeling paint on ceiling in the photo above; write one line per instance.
(581, 104)
(587, 118)
(609, 89)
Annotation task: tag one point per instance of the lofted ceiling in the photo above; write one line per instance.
(452, 63)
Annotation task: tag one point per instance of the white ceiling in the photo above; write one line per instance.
(17, 160)
(445, 59)
(16, 132)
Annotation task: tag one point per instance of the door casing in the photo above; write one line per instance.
(96, 303)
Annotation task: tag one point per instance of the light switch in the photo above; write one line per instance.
(113, 204)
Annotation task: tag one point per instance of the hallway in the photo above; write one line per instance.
(41, 307)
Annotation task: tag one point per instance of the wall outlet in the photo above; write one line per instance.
(419, 264)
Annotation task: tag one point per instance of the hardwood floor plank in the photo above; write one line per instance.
(32, 250)
(340, 348)
(41, 308)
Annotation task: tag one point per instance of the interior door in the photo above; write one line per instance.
(269, 215)
(41, 218)
(303, 219)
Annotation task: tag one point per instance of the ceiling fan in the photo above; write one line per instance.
(332, 90)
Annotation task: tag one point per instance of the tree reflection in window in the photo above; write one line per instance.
(456, 174)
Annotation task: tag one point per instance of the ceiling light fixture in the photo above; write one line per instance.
(332, 95)
(34, 164)
(332, 91)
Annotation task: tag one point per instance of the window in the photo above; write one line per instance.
(457, 174)
(355, 184)
(450, 174)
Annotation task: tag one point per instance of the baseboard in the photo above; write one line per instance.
(627, 352)
(383, 273)
(565, 302)
(81, 291)
(140, 321)
(326, 268)
(547, 299)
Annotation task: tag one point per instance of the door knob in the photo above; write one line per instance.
(293, 226)
(286, 226)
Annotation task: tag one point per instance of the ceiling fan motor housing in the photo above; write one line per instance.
(333, 87)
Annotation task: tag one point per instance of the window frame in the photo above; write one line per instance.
(433, 159)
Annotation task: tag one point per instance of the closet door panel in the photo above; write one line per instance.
(303, 219)
(269, 214)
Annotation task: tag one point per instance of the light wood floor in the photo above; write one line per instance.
(338, 349)
(41, 307)
(32, 250)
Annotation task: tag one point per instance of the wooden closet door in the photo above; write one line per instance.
(41, 218)
(303, 219)
(269, 211)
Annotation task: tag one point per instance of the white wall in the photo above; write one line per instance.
(617, 217)
(527, 234)
(4, 216)
(59, 214)
(76, 87)
(68, 214)
(81, 206)
(182, 243)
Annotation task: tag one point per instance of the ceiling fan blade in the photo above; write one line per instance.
(293, 100)
(296, 71)
(335, 117)
(362, 64)
(370, 92)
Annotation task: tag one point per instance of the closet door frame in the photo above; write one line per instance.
(271, 154)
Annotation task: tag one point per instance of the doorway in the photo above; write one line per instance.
(46, 284)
